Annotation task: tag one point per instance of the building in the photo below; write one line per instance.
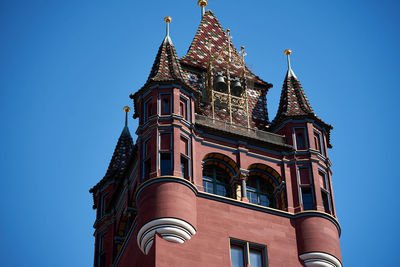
(210, 180)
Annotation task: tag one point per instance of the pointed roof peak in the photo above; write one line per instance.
(166, 66)
(210, 35)
(293, 100)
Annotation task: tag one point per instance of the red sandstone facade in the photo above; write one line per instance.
(210, 181)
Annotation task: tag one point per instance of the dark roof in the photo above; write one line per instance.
(123, 153)
(294, 104)
(211, 31)
(166, 66)
(166, 70)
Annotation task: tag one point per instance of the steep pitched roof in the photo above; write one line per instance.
(294, 104)
(166, 69)
(166, 66)
(123, 153)
(210, 31)
(293, 100)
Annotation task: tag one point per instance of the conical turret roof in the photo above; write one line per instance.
(166, 65)
(123, 153)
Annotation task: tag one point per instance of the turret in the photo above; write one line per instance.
(310, 186)
(166, 107)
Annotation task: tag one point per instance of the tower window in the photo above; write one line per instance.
(147, 168)
(300, 138)
(326, 201)
(147, 110)
(185, 144)
(318, 143)
(184, 167)
(259, 191)
(216, 181)
(166, 163)
(244, 254)
(165, 104)
(165, 141)
(183, 108)
(307, 198)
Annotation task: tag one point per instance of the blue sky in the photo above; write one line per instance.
(68, 67)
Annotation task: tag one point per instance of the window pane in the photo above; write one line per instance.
(208, 187)
(252, 197)
(264, 201)
(306, 195)
(166, 164)
(237, 256)
(221, 190)
(184, 167)
(256, 258)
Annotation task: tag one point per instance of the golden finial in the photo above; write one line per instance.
(287, 52)
(228, 30)
(202, 3)
(168, 19)
(127, 109)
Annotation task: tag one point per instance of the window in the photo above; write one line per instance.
(183, 110)
(147, 110)
(166, 164)
(244, 254)
(306, 192)
(165, 104)
(102, 204)
(307, 198)
(147, 168)
(216, 181)
(100, 252)
(259, 191)
(184, 167)
(318, 143)
(185, 144)
(300, 138)
(326, 201)
(325, 191)
(165, 141)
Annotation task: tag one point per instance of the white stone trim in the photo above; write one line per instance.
(170, 229)
(319, 259)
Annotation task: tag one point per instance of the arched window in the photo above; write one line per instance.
(216, 181)
(260, 191)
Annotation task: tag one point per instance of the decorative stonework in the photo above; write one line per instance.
(319, 259)
(170, 229)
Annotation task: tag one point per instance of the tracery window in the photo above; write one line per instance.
(260, 191)
(216, 181)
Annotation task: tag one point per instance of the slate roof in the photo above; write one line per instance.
(294, 104)
(166, 69)
(166, 65)
(293, 99)
(123, 153)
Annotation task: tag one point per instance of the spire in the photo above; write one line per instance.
(166, 66)
(123, 151)
(293, 100)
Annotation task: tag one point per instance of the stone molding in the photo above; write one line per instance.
(319, 259)
(170, 229)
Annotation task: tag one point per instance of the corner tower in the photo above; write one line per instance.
(210, 181)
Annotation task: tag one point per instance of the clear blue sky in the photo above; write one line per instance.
(68, 67)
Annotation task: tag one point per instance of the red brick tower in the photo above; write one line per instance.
(211, 181)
